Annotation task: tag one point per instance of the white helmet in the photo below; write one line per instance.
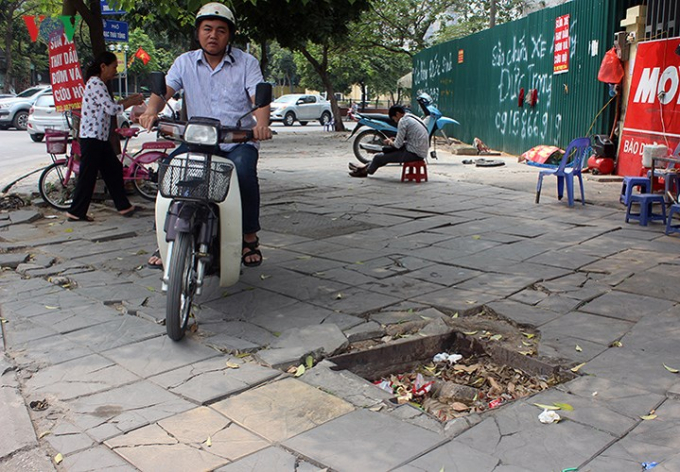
(216, 11)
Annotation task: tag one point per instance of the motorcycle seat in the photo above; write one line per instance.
(380, 117)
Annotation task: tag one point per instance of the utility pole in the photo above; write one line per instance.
(492, 13)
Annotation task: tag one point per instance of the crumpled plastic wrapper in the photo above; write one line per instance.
(445, 357)
(549, 417)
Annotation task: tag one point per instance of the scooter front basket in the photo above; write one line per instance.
(195, 177)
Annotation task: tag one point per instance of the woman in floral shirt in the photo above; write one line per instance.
(97, 154)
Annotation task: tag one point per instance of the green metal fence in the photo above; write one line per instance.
(477, 79)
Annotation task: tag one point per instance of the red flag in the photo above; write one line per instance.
(143, 55)
(32, 26)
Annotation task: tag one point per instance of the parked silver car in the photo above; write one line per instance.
(303, 108)
(14, 111)
(44, 115)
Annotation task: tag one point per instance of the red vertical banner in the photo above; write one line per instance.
(65, 74)
(653, 111)
(561, 45)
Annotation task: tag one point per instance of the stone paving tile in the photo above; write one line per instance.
(282, 409)
(587, 411)
(659, 282)
(296, 315)
(327, 337)
(593, 328)
(24, 330)
(78, 377)
(161, 354)
(390, 265)
(662, 431)
(19, 433)
(501, 285)
(453, 457)
(363, 440)
(181, 442)
(130, 293)
(521, 313)
(210, 380)
(621, 398)
(628, 455)
(96, 459)
(271, 459)
(401, 286)
(67, 439)
(302, 287)
(113, 412)
(125, 330)
(72, 319)
(516, 437)
(626, 306)
(656, 334)
(356, 301)
(443, 274)
(633, 368)
(463, 302)
(47, 351)
(33, 460)
(245, 306)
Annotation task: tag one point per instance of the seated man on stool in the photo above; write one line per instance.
(411, 143)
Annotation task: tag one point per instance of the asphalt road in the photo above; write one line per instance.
(20, 155)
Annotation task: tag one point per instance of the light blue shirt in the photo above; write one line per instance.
(223, 93)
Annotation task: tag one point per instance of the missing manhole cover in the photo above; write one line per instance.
(311, 225)
(487, 376)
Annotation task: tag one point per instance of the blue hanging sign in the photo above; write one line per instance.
(115, 31)
(107, 10)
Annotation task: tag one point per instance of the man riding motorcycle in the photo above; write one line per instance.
(219, 82)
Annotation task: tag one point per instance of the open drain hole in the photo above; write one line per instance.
(487, 376)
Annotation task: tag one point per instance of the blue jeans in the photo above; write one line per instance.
(244, 156)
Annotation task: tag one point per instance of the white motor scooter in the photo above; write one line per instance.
(198, 209)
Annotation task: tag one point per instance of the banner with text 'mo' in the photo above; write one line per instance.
(653, 111)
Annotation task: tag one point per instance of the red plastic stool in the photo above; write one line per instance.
(414, 171)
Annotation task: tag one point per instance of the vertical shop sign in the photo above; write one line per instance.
(65, 74)
(561, 46)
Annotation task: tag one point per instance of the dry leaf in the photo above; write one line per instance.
(44, 433)
(547, 407)
(51, 307)
(264, 277)
(309, 361)
(300, 370)
(233, 365)
(476, 237)
(527, 343)
(671, 369)
(579, 348)
(496, 337)
(151, 289)
(292, 369)
(526, 353)
(338, 296)
(648, 417)
(193, 328)
(564, 406)
(529, 335)
(58, 458)
(470, 333)
(455, 315)
(458, 406)
(208, 442)
(575, 369)
(616, 344)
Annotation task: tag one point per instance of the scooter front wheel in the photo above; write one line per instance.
(181, 285)
(369, 136)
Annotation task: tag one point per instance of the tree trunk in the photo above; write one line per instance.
(9, 40)
(264, 59)
(322, 69)
(492, 13)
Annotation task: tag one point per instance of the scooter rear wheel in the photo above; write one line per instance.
(369, 136)
(181, 285)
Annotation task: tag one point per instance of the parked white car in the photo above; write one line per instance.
(302, 108)
(14, 110)
(44, 115)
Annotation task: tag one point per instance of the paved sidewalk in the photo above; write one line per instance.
(345, 259)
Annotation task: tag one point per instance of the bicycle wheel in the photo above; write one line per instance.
(369, 136)
(145, 180)
(52, 189)
(181, 286)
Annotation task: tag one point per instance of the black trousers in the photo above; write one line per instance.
(397, 156)
(98, 156)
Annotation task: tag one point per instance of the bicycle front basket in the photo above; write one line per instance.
(56, 141)
(194, 177)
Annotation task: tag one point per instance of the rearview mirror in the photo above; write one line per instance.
(263, 94)
(157, 83)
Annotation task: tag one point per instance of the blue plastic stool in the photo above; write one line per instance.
(670, 227)
(629, 183)
(671, 182)
(646, 202)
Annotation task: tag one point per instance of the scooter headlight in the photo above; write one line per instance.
(203, 134)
